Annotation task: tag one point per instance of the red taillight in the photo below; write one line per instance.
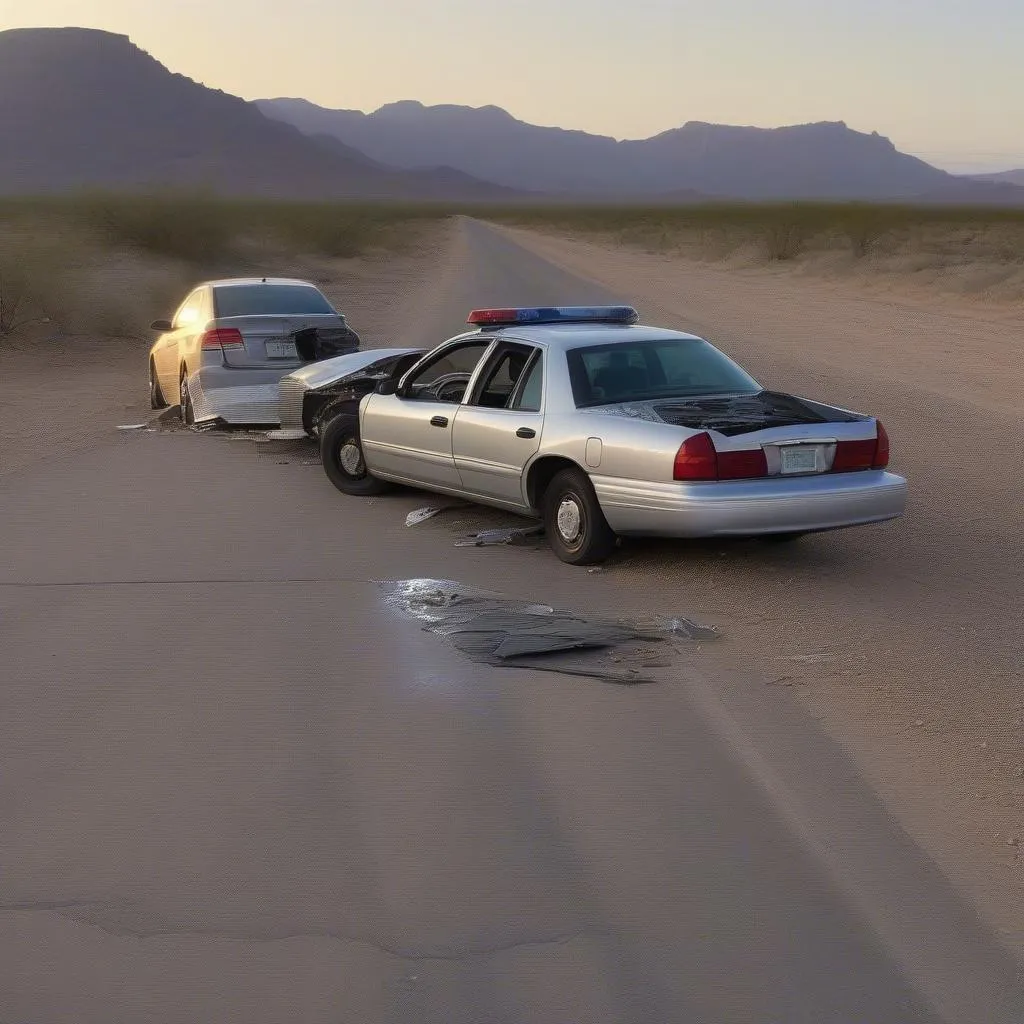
(221, 338)
(870, 454)
(697, 459)
(742, 465)
(881, 459)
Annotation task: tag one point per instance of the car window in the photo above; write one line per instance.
(634, 371)
(527, 398)
(190, 311)
(502, 376)
(270, 300)
(447, 375)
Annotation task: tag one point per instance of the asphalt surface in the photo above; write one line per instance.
(236, 783)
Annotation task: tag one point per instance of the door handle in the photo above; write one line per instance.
(439, 421)
(526, 432)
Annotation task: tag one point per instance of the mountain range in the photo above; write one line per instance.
(82, 108)
(85, 108)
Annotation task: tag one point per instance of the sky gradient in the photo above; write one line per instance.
(944, 79)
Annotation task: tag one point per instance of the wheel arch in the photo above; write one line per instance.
(542, 471)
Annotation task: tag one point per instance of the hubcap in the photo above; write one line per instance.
(351, 458)
(569, 519)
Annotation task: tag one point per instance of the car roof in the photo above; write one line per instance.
(232, 282)
(568, 335)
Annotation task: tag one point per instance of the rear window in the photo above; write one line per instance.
(270, 299)
(645, 370)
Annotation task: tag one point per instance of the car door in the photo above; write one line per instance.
(168, 358)
(407, 436)
(498, 428)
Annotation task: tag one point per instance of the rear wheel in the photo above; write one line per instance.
(188, 415)
(156, 396)
(341, 453)
(573, 521)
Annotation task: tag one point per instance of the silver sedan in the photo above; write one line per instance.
(603, 428)
(222, 354)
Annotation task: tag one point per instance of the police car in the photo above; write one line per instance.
(603, 428)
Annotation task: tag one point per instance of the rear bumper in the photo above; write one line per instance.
(751, 507)
(236, 396)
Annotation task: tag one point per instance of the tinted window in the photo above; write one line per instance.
(634, 371)
(262, 299)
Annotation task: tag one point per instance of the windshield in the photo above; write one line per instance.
(270, 299)
(661, 368)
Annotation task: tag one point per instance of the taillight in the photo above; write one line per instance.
(222, 338)
(697, 459)
(881, 459)
(870, 454)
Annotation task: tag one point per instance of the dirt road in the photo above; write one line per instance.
(236, 783)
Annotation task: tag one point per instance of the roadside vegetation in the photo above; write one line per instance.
(976, 252)
(100, 263)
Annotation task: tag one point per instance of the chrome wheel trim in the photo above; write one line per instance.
(350, 458)
(569, 519)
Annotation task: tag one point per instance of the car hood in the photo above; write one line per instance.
(327, 371)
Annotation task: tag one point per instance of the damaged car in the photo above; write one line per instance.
(602, 428)
(221, 355)
(309, 395)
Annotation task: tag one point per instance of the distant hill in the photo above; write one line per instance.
(823, 161)
(84, 108)
(1015, 177)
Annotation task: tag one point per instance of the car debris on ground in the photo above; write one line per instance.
(492, 629)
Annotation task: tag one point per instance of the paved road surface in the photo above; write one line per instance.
(236, 784)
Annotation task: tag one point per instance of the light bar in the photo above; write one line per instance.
(554, 315)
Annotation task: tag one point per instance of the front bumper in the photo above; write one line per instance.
(751, 507)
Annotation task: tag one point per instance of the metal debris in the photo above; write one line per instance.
(496, 630)
(421, 515)
(503, 535)
(133, 426)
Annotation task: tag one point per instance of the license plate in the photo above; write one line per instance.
(799, 459)
(281, 350)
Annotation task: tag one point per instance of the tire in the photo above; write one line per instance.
(156, 396)
(573, 521)
(188, 415)
(342, 456)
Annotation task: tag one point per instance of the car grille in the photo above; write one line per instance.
(290, 395)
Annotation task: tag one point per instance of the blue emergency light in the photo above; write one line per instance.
(553, 315)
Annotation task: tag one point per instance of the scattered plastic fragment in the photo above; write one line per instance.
(503, 535)
(133, 426)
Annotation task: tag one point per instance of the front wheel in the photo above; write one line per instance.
(341, 452)
(573, 521)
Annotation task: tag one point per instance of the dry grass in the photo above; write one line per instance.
(101, 264)
(972, 252)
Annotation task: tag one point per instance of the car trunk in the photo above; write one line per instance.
(767, 433)
(284, 341)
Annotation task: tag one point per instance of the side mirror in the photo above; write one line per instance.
(161, 325)
(388, 387)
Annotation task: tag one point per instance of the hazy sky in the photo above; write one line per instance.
(944, 79)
